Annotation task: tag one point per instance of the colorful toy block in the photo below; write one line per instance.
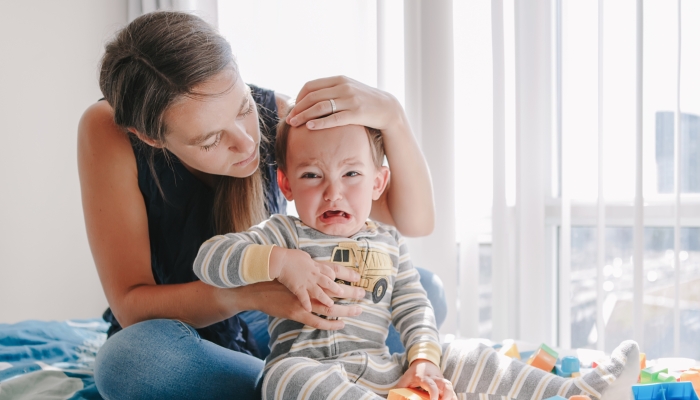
(579, 397)
(693, 377)
(651, 375)
(543, 358)
(555, 398)
(510, 349)
(665, 378)
(408, 394)
(665, 391)
(569, 366)
(642, 361)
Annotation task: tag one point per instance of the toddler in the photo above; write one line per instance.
(333, 176)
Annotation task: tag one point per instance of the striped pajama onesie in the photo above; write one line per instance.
(354, 362)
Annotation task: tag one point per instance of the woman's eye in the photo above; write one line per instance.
(214, 144)
(249, 111)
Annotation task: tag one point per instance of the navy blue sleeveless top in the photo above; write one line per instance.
(179, 223)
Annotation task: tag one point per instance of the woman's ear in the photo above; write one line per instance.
(146, 139)
(381, 179)
(283, 183)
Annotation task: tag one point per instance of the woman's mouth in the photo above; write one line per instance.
(246, 161)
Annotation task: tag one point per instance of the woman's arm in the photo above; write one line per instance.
(117, 228)
(407, 203)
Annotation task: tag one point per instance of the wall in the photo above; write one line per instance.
(49, 54)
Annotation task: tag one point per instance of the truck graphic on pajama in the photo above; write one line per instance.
(374, 267)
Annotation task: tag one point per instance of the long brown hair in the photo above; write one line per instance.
(156, 60)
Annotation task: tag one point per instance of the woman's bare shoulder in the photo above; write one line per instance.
(100, 139)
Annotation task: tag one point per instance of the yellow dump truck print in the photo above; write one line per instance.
(373, 265)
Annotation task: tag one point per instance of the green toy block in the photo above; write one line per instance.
(651, 375)
(664, 378)
(549, 350)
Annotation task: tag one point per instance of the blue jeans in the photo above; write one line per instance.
(167, 359)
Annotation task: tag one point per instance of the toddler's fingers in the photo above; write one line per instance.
(304, 299)
(404, 382)
(326, 271)
(322, 297)
(446, 390)
(431, 387)
(330, 287)
(344, 273)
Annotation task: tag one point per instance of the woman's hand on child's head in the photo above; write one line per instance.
(355, 104)
(427, 376)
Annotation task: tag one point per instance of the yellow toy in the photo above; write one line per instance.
(374, 266)
(510, 349)
(408, 394)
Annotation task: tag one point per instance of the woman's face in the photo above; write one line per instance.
(217, 133)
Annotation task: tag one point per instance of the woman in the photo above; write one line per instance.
(176, 154)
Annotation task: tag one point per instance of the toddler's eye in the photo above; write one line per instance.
(309, 175)
(353, 173)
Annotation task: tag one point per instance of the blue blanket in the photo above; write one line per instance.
(50, 360)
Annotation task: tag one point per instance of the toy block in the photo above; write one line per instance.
(510, 349)
(579, 397)
(665, 391)
(543, 358)
(408, 394)
(665, 378)
(555, 398)
(692, 377)
(651, 374)
(575, 374)
(570, 364)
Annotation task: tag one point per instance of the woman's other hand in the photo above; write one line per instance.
(355, 103)
(274, 299)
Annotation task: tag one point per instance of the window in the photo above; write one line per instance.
(662, 335)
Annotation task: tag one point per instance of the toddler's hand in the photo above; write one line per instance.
(427, 376)
(303, 276)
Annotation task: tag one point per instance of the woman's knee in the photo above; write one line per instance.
(167, 359)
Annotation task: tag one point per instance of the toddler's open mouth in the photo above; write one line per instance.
(333, 214)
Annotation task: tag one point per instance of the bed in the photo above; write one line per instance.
(55, 360)
(50, 360)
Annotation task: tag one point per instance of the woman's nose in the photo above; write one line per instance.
(240, 141)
